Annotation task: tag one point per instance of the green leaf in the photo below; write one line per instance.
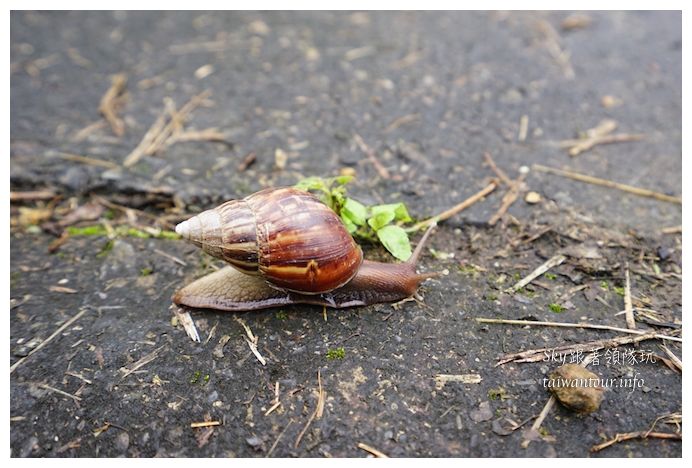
(355, 211)
(381, 219)
(323, 184)
(396, 241)
(398, 209)
(327, 199)
(343, 180)
(312, 183)
(362, 221)
(351, 227)
(338, 200)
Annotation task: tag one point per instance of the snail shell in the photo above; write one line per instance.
(286, 235)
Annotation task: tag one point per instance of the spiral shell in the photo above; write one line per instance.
(286, 235)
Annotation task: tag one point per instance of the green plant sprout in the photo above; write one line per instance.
(336, 353)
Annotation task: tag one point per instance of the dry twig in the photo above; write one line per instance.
(599, 135)
(56, 390)
(677, 362)
(276, 442)
(252, 340)
(144, 146)
(381, 170)
(509, 198)
(31, 195)
(73, 444)
(48, 340)
(498, 172)
(608, 183)
(208, 134)
(589, 143)
(629, 312)
(79, 376)
(127, 370)
(575, 325)
(205, 424)
(636, 435)
(455, 209)
(371, 450)
(168, 124)
(546, 409)
(442, 379)
(111, 101)
(131, 213)
(319, 408)
(551, 41)
(170, 257)
(82, 134)
(534, 355)
(523, 128)
(247, 161)
(533, 430)
(196, 47)
(550, 263)
(276, 401)
(186, 321)
(406, 119)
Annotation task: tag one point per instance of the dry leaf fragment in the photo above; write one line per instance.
(33, 216)
(584, 250)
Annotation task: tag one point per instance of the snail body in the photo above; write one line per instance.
(286, 247)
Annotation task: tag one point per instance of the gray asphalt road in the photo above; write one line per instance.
(429, 93)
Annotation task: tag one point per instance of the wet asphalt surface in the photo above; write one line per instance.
(429, 93)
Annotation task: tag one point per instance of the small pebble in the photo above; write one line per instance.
(280, 158)
(347, 171)
(122, 442)
(532, 198)
(204, 71)
(663, 253)
(259, 28)
(609, 101)
(576, 388)
(483, 413)
(256, 443)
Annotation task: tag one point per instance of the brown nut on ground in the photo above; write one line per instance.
(576, 388)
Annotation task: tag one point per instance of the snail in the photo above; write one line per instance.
(284, 247)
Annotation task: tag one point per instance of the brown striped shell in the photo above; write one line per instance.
(288, 236)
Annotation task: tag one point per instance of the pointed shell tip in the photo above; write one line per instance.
(182, 229)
